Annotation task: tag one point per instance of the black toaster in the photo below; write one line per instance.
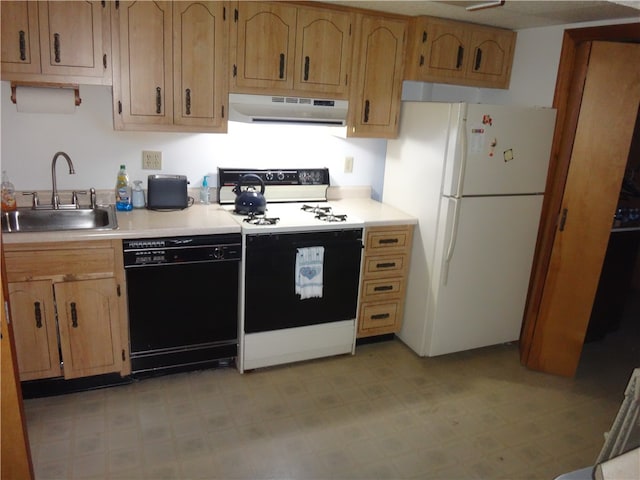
(167, 192)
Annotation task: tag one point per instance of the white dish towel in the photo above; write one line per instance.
(309, 265)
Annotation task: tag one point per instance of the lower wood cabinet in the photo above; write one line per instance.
(67, 309)
(383, 280)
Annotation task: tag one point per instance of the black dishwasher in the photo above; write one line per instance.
(183, 301)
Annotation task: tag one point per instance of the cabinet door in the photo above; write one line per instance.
(323, 51)
(71, 38)
(491, 54)
(20, 50)
(266, 36)
(34, 327)
(88, 325)
(146, 65)
(446, 50)
(199, 50)
(376, 97)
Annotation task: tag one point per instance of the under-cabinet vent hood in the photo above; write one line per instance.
(288, 110)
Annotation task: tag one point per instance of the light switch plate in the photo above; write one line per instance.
(348, 164)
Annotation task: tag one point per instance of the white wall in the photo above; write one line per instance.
(29, 140)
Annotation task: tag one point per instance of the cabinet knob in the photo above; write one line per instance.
(478, 61)
(282, 58)
(38, 314)
(158, 100)
(306, 68)
(460, 56)
(56, 47)
(22, 40)
(74, 315)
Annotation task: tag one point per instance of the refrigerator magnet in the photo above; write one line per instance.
(508, 155)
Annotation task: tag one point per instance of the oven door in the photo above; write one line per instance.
(271, 301)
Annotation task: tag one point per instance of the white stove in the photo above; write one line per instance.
(296, 201)
(300, 269)
(292, 217)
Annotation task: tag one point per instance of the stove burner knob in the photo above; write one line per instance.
(268, 175)
(280, 176)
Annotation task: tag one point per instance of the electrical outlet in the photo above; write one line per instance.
(151, 160)
(348, 164)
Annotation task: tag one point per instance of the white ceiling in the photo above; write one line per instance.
(514, 14)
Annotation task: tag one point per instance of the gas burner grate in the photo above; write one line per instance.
(331, 217)
(317, 209)
(261, 219)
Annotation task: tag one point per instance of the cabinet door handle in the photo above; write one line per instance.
(478, 62)
(460, 56)
(282, 65)
(158, 100)
(38, 314)
(74, 315)
(306, 68)
(187, 100)
(389, 240)
(366, 111)
(383, 288)
(386, 265)
(421, 60)
(424, 36)
(563, 219)
(23, 45)
(56, 47)
(380, 316)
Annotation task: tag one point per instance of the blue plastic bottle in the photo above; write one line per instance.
(123, 191)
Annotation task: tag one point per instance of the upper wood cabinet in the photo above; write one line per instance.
(144, 72)
(375, 95)
(56, 42)
(288, 49)
(199, 64)
(20, 38)
(170, 73)
(460, 53)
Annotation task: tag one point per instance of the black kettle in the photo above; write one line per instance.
(249, 200)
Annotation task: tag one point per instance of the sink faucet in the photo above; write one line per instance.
(55, 198)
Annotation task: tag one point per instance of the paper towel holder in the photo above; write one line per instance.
(74, 86)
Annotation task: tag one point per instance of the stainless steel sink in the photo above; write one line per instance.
(50, 220)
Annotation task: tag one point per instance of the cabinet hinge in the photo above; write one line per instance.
(119, 107)
(123, 357)
(235, 70)
(235, 15)
(118, 290)
(104, 60)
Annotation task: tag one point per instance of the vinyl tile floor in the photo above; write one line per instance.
(381, 414)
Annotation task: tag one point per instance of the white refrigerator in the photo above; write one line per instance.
(474, 176)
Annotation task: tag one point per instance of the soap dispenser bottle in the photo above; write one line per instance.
(8, 194)
(204, 192)
(137, 197)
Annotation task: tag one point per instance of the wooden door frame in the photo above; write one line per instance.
(569, 84)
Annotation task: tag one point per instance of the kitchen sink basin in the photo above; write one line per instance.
(49, 220)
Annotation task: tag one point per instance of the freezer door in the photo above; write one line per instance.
(505, 150)
(481, 285)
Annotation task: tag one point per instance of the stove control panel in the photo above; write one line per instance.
(292, 176)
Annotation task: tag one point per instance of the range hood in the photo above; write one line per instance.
(289, 110)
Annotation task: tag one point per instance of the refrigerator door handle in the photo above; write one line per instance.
(462, 135)
(452, 239)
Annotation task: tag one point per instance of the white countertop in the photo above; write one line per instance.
(201, 220)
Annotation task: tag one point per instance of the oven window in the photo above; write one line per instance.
(270, 299)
